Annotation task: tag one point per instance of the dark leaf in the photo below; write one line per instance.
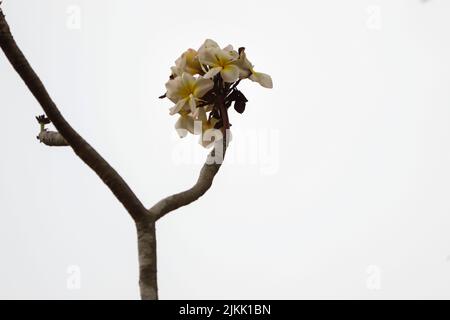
(239, 106)
(232, 96)
(240, 96)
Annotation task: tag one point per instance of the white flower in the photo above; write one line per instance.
(184, 124)
(197, 126)
(208, 44)
(187, 62)
(194, 76)
(219, 61)
(247, 71)
(185, 91)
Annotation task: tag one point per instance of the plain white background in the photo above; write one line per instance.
(337, 183)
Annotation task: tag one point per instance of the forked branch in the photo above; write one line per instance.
(67, 136)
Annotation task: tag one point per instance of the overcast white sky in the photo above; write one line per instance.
(336, 184)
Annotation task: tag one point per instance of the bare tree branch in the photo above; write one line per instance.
(66, 136)
(204, 182)
(88, 154)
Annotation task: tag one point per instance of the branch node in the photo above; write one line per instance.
(49, 138)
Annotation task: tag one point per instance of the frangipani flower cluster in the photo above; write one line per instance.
(203, 86)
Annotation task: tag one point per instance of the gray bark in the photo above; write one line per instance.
(148, 283)
(204, 182)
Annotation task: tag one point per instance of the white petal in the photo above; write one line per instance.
(175, 71)
(245, 65)
(244, 73)
(188, 80)
(180, 62)
(184, 125)
(263, 79)
(176, 108)
(173, 89)
(189, 62)
(209, 44)
(225, 57)
(212, 72)
(202, 86)
(228, 48)
(209, 57)
(230, 73)
(192, 104)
